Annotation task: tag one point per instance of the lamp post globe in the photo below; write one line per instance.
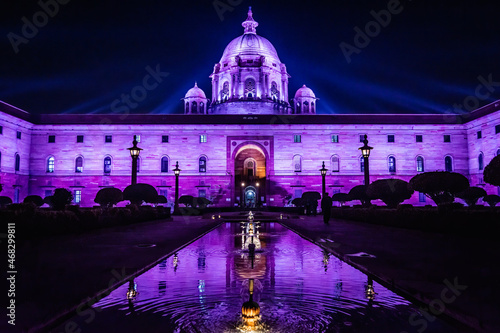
(134, 153)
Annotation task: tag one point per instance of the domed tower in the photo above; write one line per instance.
(305, 101)
(195, 101)
(250, 71)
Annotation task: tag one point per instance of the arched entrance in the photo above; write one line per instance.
(250, 176)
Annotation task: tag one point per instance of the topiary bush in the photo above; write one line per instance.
(61, 198)
(187, 200)
(341, 197)
(391, 191)
(440, 186)
(4, 201)
(471, 195)
(491, 199)
(34, 199)
(491, 172)
(359, 193)
(139, 193)
(108, 197)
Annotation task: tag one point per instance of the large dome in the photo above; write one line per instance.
(250, 44)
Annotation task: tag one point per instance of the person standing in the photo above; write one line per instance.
(326, 207)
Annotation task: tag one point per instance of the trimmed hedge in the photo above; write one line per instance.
(32, 223)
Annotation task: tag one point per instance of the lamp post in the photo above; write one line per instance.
(242, 195)
(134, 153)
(323, 171)
(177, 171)
(365, 151)
(257, 185)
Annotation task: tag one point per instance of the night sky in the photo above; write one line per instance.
(427, 59)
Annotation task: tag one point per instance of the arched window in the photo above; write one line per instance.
(79, 164)
(17, 164)
(448, 164)
(187, 107)
(50, 164)
(194, 107)
(203, 164)
(312, 107)
(498, 152)
(392, 163)
(480, 161)
(362, 163)
(335, 165)
(297, 110)
(297, 163)
(225, 91)
(164, 164)
(306, 107)
(107, 164)
(250, 88)
(420, 164)
(202, 109)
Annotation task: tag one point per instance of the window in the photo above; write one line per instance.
(164, 138)
(497, 129)
(297, 138)
(250, 88)
(361, 138)
(16, 195)
(390, 138)
(297, 163)
(447, 138)
(79, 138)
(335, 138)
(419, 138)
(392, 164)
(48, 193)
(420, 164)
(137, 138)
(306, 107)
(107, 164)
(202, 193)
(164, 192)
(52, 138)
(421, 197)
(312, 107)
(138, 168)
(50, 164)
(362, 163)
(79, 164)
(203, 138)
(479, 134)
(335, 165)
(0, 160)
(1, 129)
(194, 107)
(164, 164)
(187, 107)
(18, 135)
(77, 197)
(480, 161)
(203, 164)
(17, 164)
(297, 194)
(448, 164)
(498, 152)
(108, 138)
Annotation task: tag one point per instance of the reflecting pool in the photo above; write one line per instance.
(253, 277)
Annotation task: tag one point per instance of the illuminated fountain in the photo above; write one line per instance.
(250, 311)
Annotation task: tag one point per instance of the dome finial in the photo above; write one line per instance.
(195, 83)
(250, 24)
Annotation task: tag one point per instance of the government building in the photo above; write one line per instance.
(250, 141)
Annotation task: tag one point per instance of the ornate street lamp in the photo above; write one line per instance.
(134, 153)
(365, 151)
(177, 171)
(323, 171)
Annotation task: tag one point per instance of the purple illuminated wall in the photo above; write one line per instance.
(225, 139)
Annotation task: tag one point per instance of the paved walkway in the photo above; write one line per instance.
(58, 274)
(55, 275)
(419, 264)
